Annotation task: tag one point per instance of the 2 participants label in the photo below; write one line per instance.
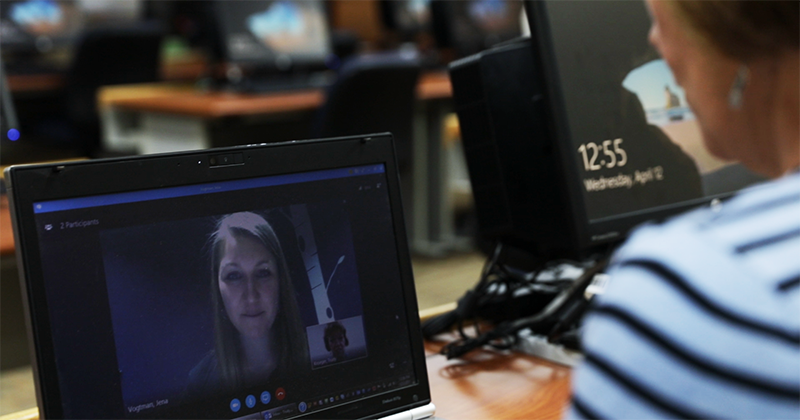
(73, 225)
(79, 224)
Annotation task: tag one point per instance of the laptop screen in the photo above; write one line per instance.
(268, 297)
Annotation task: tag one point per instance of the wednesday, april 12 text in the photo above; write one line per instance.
(624, 180)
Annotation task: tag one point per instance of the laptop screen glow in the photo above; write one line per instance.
(269, 297)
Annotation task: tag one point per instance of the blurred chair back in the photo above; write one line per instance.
(373, 93)
(109, 56)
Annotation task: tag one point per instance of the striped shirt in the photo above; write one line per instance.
(702, 316)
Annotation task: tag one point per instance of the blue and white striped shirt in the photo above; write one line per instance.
(702, 316)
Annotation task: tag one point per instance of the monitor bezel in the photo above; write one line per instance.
(586, 233)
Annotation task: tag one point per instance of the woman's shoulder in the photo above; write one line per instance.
(705, 301)
(735, 258)
(208, 364)
(770, 209)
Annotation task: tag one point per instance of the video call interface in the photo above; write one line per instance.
(635, 140)
(275, 31)
(262, 298)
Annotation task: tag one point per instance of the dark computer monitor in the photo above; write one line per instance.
(609, 85)
(580, 133)
(470, 26)
(38, 25)
(273, 35)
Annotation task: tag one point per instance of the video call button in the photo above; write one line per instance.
(266, 397)
(236, 405)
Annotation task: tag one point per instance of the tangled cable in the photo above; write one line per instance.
(500, 285)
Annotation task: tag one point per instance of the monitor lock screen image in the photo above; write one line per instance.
(635, 140)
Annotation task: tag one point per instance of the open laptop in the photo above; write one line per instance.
(264, 281)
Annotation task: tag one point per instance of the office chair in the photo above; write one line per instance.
(373, 93)
(103, 56)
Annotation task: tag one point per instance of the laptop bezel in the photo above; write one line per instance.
(28, 184)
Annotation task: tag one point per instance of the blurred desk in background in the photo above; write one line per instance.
(134, 116)
(6, 234)
(157, 118)
(27, 83)
(187, 68)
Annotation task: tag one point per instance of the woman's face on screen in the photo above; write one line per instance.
(249, 285)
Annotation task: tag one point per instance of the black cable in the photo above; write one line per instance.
(504, 334)
(466, 305)
(500, 287)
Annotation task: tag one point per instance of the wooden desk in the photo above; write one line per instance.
(18, 83)
(155, 118)
(6, 234)
(434, 85)
(186, 68)
(491, 385)
(484, 385)
(187, 101)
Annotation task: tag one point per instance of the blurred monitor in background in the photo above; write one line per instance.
(102, 12)
(410, 26)
(274, 35)
(407, 18)
(471, 26)
(38, 26)
(39, 36)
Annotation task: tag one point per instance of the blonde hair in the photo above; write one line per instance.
(292, 351)
(744, 29)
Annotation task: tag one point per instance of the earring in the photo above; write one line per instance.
(737, 89)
